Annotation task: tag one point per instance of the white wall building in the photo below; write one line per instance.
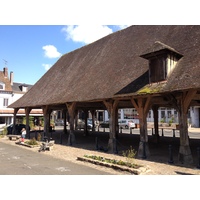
(9, 93)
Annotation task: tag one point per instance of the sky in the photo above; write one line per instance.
(30, 50)
(35, 35)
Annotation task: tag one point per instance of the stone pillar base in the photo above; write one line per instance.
(71, 138)
(143, 150)
(185, 156)
(112, 145)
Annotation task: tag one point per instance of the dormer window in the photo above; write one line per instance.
(162, 61)
(23, 88)
(2, 86)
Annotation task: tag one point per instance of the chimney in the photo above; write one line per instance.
(11, 78)
(5, 71)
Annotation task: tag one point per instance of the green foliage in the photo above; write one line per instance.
(3, 132)
(39, 137)
(112, 161)
(31, 121)
(129, 154)
(32, 142)
(162, 120)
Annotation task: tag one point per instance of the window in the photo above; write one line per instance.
(2, 86)
(5, 102)
(157, 69)
(162, 61)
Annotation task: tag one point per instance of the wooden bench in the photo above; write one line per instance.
(16, 137)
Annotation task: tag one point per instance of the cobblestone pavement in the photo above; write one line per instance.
(156, 164)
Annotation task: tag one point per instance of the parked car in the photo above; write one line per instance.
(104, 124)
(60, 122)
(18, 128)
(126, 123)
(81, 124)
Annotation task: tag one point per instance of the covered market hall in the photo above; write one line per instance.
(143, 67)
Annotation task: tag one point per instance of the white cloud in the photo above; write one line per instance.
(46, 66)
(51, 51)
(122, 26)
(86, 33)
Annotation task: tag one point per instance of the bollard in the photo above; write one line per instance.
(115, 145)
(152, 131)
(130, 130)
(70, 139)
(96, 141)
(162, 132)
(144, 150)
(198, 157)
(120, 129)
(60, 138)
(173, 132)
(170, 161)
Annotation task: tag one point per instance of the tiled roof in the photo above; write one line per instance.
(112, 65)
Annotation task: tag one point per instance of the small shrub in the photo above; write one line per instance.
(32, 142)
(39, 137)
(129, 154)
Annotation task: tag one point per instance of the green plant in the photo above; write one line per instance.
(31, 123)
(112, 161)
(129, 154)
(162, 120)
(32, 142)
(3, 132)
(39, 137)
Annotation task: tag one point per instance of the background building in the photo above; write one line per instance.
(10, 92)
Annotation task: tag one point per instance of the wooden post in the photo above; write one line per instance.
(14, 120)
(27, 111)
(155, 115)
(142, 106)
(65, 119)
(86, 122)
(112, 110)
(46, 112)
(71, 110)
(93, 119)
(185, 155)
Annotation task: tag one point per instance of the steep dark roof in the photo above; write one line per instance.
(112, 66)
(17, 87)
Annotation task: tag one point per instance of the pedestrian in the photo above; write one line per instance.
(23, 135)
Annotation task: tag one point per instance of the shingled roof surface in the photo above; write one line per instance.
(112, 65)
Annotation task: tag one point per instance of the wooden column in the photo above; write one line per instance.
(86, 124)
(155, 115)
(142, 106)
(71, 110)
(46, 112)
(76, 119)
(93, 119)
(14, 120)
(65, 119)
(27, 111)
(112, 110)
(185, 155)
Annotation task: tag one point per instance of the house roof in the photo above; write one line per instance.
(112, 66)
(17, 87)
(4, 79)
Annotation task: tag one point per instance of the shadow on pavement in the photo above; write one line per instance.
(159, 152)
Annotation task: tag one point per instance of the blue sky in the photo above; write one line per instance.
(34, 36)
(30, 50)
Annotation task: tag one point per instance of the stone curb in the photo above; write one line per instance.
(116, 167)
